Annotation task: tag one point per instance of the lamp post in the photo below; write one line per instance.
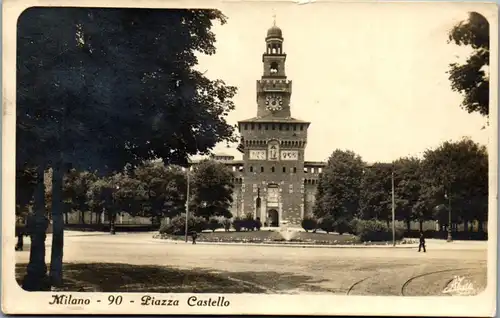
(257, 202)
(113, 214)
(393, 210)
(448, 196)
(187, 205)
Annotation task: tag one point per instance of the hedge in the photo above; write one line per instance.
(461, 235)
(376, 231)
(177, 225)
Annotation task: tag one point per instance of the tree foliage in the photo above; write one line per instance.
(164, 188)
(375, 195)
(339, 186)
(212, 189)
(459, 170)
(471, 79)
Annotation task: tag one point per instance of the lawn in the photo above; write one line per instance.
(116, 277)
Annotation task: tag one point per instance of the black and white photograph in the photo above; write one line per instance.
(253, 157)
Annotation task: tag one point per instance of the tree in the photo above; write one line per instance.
(165, 188)
(76, 187)
(471, 79)
(459, 170)
(113, 87)
(212, 189)
(376, 187)
(339, 186)
(407, 184)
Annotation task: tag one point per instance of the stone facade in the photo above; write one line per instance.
(273, 181)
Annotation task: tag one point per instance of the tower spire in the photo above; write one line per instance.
(274, 19)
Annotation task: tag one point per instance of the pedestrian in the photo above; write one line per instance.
(20, 239)
(421, 245)
(194, 235)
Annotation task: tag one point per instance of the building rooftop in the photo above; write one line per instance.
(271, 119)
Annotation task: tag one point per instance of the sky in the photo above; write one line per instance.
(370, 77)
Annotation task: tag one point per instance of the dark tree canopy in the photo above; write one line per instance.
(100, 88)
(471, 78)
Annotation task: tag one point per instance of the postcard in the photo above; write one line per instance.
(249, 157)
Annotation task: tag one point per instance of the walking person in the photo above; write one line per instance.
(421, 245)
(194, 235)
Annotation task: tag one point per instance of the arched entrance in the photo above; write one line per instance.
(273, 218)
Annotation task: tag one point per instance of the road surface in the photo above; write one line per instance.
(354, 271)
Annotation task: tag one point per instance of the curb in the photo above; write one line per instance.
(289, 245)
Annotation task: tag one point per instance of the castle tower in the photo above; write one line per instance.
(273, 144)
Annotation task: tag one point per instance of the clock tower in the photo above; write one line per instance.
(273, 145)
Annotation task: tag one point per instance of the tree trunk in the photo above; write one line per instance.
(421, 225)
(466, 226)
(408, 225)
(480, 226)
(36, 277)
(65, 217)
(56, 260)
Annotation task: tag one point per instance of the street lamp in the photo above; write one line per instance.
(187, 205)
(257, 202)
(448, 196)
(113, 214)
(393, 210)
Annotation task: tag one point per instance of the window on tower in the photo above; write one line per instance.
(251, 169)
(261, 169)
(274, 68)
(284, 169)
(272, 169)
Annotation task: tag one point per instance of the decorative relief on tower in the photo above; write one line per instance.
(273, 150)
(257, 155)
(289, 155)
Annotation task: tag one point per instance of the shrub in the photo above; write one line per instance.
(327, 224)
(178, 224)
(226, 224)
(249, 223)
(238, 224)
(342, 226)
(214, 223)
(376, 231)
(353, 225)
(309, 223)
(258, 224)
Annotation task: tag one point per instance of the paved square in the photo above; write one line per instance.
(289, 270)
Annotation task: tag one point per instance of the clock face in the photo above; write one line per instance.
(274, 102)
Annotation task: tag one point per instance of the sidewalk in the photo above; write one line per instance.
(292, 245)
(431, 244)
